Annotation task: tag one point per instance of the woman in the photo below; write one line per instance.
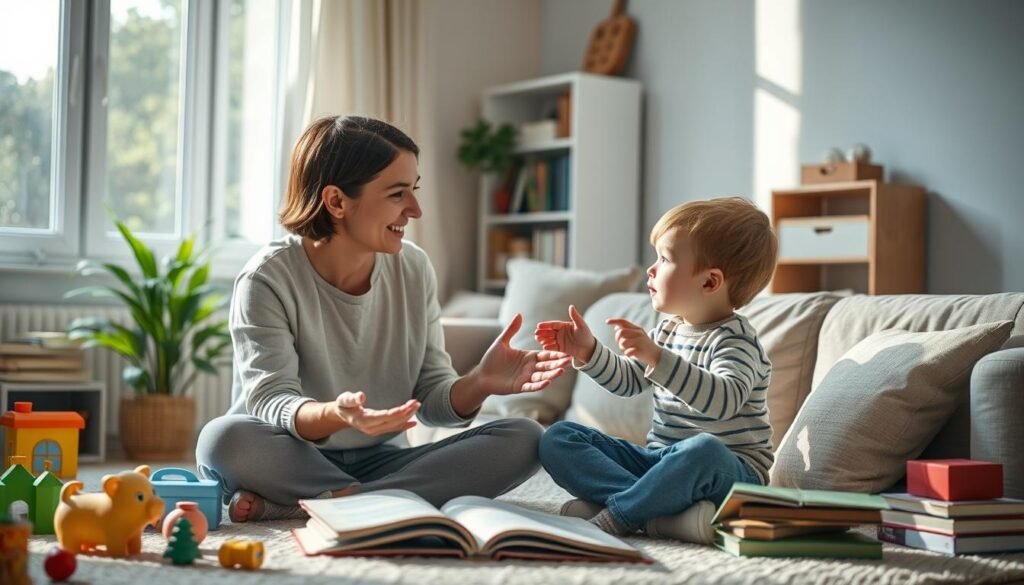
(338, 345)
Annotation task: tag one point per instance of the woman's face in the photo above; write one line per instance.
(377, 219)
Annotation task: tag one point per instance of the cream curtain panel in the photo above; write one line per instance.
(365, 57)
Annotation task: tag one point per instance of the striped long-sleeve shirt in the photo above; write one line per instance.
(709, 379)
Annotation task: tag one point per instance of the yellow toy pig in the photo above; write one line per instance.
(114, 518)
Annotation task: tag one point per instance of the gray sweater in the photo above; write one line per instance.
(297, 339)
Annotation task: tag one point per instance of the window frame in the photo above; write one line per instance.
(101, 241)
(59, 243)
(78, 179)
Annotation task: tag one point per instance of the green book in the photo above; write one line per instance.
(845, 545)
(749, 493)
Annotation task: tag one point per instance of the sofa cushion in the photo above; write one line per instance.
(543, 292)
(880, 405)
(856, 317)
(787, 326)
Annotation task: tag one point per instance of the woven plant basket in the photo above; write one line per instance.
(156, 427)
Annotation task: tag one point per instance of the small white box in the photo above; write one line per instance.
(826, 238)
(537, 132)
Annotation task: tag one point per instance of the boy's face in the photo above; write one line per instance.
(674, 287)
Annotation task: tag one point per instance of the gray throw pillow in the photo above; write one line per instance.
(543, 292)
(879, 406)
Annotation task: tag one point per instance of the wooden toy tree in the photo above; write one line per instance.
(182, 548)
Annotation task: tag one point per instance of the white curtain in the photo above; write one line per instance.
(365, 57)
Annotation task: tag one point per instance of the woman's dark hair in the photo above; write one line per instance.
(347, 152)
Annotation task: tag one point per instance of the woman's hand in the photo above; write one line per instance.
(348, 408)
(572, 337)
(634, 342)
(507, 370)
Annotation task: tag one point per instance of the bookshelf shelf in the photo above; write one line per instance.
(535, 217)
(554, 145)
(574, 200)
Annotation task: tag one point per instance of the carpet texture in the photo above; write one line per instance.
(674, 562)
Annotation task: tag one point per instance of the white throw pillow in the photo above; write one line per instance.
(879, 406)
(543, 292)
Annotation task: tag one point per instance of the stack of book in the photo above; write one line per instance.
(42, 357)
(764, 521)
(954, 506)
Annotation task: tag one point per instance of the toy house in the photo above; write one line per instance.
(41, 494)
(41, 437)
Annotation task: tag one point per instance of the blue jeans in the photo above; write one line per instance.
(636, 483)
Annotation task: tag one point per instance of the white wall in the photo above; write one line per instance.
(471, 45)
(739, 92)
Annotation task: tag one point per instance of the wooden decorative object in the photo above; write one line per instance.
(839, 171)
(610, 43)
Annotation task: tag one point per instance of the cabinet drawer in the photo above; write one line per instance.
(832, 238)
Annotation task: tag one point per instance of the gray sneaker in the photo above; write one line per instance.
(580, 509)
(691, 525)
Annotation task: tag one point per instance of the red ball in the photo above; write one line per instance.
(59, 564)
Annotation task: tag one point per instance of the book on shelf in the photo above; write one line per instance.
(400, 523)
(541, 184)
(746, 500)
(779, 529)
(24, 348)
(951, 544)
(838, 545)
(955, 509)
(953, 526)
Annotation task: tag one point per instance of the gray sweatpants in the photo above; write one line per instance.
(243, 452)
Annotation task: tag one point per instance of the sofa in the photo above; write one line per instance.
(804, 335)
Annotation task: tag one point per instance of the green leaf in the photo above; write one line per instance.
(143, 254)
(136, 377)
(205, 366)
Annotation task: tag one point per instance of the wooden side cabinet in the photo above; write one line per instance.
(863, 235)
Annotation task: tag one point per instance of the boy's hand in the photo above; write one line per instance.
(634, 342)
(348, 408)
(571, 337)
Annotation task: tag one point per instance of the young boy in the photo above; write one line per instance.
(709, 372)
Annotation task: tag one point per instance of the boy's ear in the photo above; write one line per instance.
(713, 281)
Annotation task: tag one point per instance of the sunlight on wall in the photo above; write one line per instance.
(779, 54)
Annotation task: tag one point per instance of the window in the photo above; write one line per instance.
(143, 106)
(245, 148)
(166, 107)
(44, 451)
(40, 120)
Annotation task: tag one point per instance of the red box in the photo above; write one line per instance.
(954, 479)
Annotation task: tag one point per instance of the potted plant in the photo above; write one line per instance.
(174, 337)
(489, 149)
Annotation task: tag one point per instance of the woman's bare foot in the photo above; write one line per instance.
(245, 505)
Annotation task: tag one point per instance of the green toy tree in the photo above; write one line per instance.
(182, 548)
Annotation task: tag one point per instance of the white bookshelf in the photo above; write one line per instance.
(603, 215)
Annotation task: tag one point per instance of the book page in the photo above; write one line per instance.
(490, 521)
(354, 516)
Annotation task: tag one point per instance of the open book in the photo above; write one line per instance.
(400, 523)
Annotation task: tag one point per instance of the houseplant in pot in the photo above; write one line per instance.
(488, 149)
(175, 334)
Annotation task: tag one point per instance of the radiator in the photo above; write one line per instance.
(212, 394)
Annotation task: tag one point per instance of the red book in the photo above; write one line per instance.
(955, 479)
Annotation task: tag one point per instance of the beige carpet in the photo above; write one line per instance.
(674, 562)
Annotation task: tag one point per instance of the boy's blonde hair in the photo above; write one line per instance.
(730, 234)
